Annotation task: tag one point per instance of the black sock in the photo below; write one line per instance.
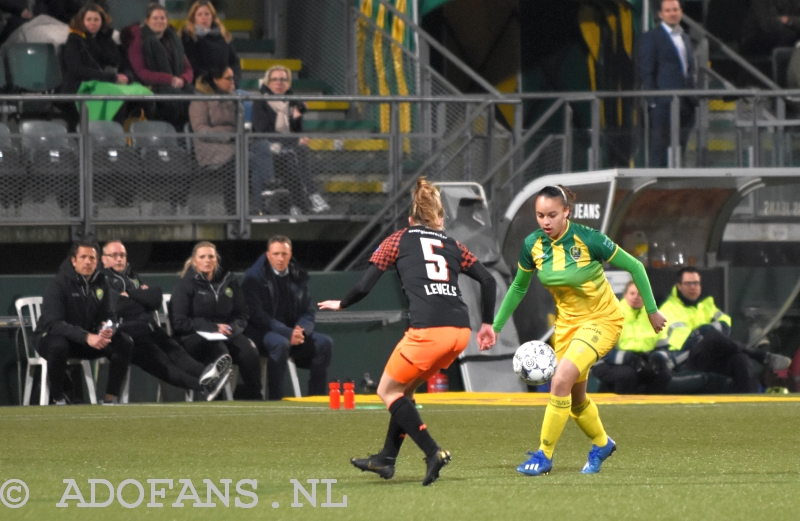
(394, 440)
(408, 419)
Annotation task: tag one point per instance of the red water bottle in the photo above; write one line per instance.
(438, 383)
(335, 395)
(349, 395)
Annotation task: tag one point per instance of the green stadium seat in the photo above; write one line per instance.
(33, 67)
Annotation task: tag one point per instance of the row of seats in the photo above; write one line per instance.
(29, 310)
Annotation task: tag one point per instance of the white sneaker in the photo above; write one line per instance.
(777, 362)
(220, 384)
(318, 204)
(214, 370)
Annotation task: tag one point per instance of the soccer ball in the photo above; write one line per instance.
(535, 362)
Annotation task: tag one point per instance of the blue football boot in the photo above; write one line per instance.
(537, 465)
(597, 456)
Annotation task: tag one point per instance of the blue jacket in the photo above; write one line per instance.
(262, 299)
(660, 64)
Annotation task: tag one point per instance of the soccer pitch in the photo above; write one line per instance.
(726, 461)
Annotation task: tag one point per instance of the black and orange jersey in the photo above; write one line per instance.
(428, 263)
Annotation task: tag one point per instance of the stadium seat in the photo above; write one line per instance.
(33, 67)
(12, 170)
(292, 374)
(780, 64)
(116, 169)
(52, 161)
(168, 168)
(31, 308)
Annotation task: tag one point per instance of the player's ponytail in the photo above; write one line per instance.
(560, 192)
(427, 209)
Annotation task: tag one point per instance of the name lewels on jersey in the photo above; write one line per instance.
(441, 289)
(428, 262)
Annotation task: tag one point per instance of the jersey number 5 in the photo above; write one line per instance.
(436, 265)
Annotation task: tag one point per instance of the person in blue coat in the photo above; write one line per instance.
(666, 63)
(282, 317)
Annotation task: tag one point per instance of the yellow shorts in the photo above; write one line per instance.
(423, 351)
(584, 344)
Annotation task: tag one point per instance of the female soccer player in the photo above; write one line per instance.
(568, 258)
(428, 263)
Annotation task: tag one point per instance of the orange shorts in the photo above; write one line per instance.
(422, 352)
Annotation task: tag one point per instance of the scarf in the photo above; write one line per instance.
(156, 51)
(281, 109)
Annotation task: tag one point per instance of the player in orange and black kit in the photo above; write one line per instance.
(428, 263)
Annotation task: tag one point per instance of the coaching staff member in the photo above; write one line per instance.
(75, 306)
(282, 318)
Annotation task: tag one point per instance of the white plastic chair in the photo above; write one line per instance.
(32, 308)
(292, 374)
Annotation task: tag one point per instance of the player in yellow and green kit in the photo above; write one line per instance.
(568, 260)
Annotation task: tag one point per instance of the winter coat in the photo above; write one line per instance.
(264, 116)
(145, 64)
(198, 304)
(91, 57)
(262, 298)
(140, 303)
(211, 52)
(73, 307)
(208, 118)
(683, 319)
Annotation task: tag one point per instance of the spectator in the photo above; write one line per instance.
(207, 303)
(770, 24)
(219, 152)
(76, 310)
(214, 125)
(285, 117)
(159, 61)
(666, 63)
(92, 55)
(699, 329)
(18, 13)
(626, 369)
(207, 41)
(282, 318)
(153, 350)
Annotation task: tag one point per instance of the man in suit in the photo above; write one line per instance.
(666, 63)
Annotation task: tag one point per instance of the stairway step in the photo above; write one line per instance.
(338, 125)
(253, 46)
(262, 64)
(328, 105)
(361, 145)
(232, 24)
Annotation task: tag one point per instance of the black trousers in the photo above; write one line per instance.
(314, 354)
(716, 353)
(57, 349)
(164, 358)
(243, 353)
(625, 379)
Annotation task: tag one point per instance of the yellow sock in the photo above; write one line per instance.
(587, 417)
(555, 418)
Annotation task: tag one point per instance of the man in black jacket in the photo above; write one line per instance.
(154, 351)
(282, 318)
(78, 321)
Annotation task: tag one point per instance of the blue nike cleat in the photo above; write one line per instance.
(538, 465)
(597, 456)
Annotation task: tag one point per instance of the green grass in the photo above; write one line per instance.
(707, 462)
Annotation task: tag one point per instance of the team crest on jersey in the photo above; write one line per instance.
(575, 252)
(229, 292)
(98, 293)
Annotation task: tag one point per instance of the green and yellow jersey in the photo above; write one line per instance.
(571, 268)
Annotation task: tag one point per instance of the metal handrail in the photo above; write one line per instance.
(444, 51)
(730, 53)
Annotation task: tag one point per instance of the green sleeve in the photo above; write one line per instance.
(624, 260)
(512, 299)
